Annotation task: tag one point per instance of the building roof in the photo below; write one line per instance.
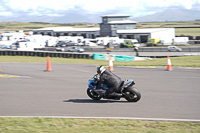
(146, 30)
(116, 15)
(55, 28)
(123, 22)
(80, 29)
(61, 29)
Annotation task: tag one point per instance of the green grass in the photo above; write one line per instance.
(188, 31)
(57, 125)
(170, 24)
(185, 61)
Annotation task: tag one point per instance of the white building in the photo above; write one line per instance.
(113, 26)
(165, 34)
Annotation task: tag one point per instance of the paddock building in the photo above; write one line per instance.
(112, 26)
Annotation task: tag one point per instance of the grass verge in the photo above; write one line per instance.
(185, 61)
(59, 125)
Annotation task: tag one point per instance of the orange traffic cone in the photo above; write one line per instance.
(1, 69)
(169, 64)
(48, 64)
(111, 65)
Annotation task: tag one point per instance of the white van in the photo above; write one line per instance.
(88, 42)
(105, 40)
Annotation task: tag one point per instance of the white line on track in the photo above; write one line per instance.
(127, 118)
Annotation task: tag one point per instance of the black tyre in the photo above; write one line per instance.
(92, 95)
(134, 94)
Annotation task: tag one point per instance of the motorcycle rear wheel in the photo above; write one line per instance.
(133, 93)
(92, 95)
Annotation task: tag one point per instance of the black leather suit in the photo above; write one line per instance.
(112, 81)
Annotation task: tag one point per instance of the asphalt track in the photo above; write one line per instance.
(62, 92)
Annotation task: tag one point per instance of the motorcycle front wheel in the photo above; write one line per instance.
(93, 95)
(133, 94)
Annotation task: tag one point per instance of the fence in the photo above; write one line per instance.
(141, 49)
(156, 49)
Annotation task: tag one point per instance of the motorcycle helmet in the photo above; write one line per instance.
(100, 70)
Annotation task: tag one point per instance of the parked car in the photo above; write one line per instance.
(61, 44)
(62, 49)
(70, 49)
(174, 48)
(2, 46)
(75, 49)
(64, 44)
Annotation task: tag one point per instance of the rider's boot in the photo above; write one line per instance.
(113, 95)
(117, 95)
(103, 95)
(126, 96)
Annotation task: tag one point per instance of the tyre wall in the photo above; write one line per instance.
(44, 54)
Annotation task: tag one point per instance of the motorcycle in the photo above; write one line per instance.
(130, 93)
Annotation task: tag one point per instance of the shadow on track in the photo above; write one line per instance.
(93, 101)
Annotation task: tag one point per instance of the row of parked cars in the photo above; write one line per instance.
(79, 49)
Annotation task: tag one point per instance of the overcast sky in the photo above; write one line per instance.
(136, 8)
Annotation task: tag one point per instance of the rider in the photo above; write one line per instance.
(111, 80)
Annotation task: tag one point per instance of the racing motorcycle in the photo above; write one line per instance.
(130, 93)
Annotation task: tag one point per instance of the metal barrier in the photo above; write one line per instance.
(141, 49)
(161, 56)
(156, 49)
(45, 53)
